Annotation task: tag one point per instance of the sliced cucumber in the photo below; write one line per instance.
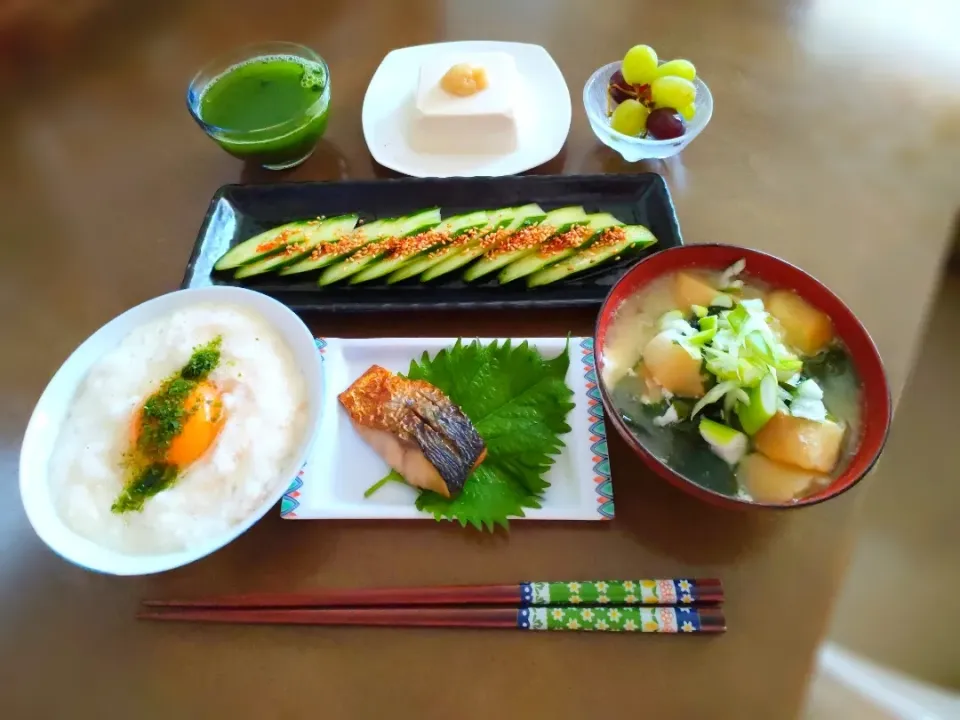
(408, 225)
(419, 221)
(459, 223)
(558, 220)
(358, 238)
(262, 245)
(325, 231)
(454, 257)
(425, 261)
(420, 246)
(636, 237)
(556, 249)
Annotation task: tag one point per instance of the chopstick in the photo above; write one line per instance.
(679, 592)
(603, 619)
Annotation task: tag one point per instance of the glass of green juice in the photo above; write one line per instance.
(267, 103)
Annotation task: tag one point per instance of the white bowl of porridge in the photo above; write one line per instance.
(171, 430)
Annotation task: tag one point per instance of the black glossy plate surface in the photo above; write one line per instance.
(238, 212)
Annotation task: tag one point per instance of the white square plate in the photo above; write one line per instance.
(342, 466)
(543, 120)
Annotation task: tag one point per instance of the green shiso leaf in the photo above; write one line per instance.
(519, 403)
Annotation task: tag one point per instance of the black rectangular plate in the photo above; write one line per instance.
(238, 212)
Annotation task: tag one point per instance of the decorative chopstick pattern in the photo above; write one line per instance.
(564, 619)
(622, 592)
(623, 619)
(535, 594)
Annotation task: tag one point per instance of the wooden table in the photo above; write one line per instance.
(821, 150)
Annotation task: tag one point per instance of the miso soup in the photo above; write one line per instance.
(742, 388)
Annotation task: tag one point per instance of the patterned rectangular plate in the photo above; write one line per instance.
(238, 212)
(341, 466)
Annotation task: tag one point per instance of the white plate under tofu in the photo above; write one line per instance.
(342, 466)
(411, 129)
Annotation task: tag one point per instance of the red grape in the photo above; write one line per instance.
(665, 124)
(619, 89)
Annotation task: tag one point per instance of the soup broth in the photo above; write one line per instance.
(742, 388)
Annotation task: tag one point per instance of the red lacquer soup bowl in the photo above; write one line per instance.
(874, 396)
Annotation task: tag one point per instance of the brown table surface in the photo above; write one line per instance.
(823, 149)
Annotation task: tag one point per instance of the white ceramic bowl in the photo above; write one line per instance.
(634, 149)
(53, 406)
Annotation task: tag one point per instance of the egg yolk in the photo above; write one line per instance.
(204, 419)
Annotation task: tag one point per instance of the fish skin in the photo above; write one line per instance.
(450, 421)
(406, 421)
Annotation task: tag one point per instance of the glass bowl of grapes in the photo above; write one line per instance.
(644, 107)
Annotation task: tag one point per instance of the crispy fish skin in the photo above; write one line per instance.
(415, 428)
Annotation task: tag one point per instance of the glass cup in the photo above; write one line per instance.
(278, 146)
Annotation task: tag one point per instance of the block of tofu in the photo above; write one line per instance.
(804, 443)
(770, 481)
(805, 327)
(482, 123)
(690, 289)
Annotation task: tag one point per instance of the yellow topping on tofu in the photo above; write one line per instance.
(464, 80)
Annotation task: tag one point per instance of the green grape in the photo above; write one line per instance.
(688, 111)
(639, 65)
(673, 92)
(630, 117)
(678, 68)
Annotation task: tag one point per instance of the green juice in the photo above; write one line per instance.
(270, 109)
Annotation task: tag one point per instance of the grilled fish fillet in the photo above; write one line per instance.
(416, 428)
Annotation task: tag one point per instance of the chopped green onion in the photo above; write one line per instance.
(743, 352)
(728, 444)
(750, 374)
(788, 369)
(669, 319)
(761, 405)
(708, 322)
(729, 405)
(759, 347)
(713, 395)
(675, 327)
(737, 317)
(702, 337)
